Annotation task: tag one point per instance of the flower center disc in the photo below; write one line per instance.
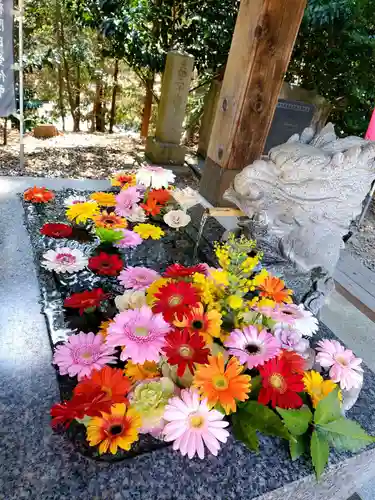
(175, 300)
(197, 324)
(65, 258)
(252, 349)
(186, 351)
(220, 383)
(115, 430)
(277, 382)
(196, 421)
(141, 331)
(341, 360)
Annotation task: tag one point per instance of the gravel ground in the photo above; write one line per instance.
(362, 243)
(72, 155)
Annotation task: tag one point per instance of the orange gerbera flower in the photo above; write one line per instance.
(117, 429)
(207, 324)
(38, 195)
(123, 180)
(159, 196)
(109, 220)
(151, 207)
(222, 384)
(274, 288)
(109, 380)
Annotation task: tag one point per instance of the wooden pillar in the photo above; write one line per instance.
(262, 44)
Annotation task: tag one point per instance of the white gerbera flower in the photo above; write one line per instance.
(186, 198)
(131, 300)
(300, 318)
(137, 214)
(154, 177)
(73, 200)
(177, 218)
(64, 260)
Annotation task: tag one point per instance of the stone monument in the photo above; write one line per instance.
(165, 147)
(301, 200)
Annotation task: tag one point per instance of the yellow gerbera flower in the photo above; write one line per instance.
(135, 371)
(154, 288)
(80, 212)
(103, 328)
(104, 199)
(317, 387)
(146, 231)
(118, 429)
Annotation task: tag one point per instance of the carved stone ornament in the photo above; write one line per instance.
(299, 204)
(308, 191)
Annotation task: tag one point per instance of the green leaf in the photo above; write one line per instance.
(298, 446)
(319, 452)
(296, 421)
(328, 409)
(345, 434)
(265, 420)
(243, 431)
(256, 384)
(108, 235)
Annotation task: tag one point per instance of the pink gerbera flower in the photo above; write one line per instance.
(126, 200)
(192, 425)
(130, 239)
(344, 366)
(137, 278)
(252, 347)
(141, 332)
(82, 354)
(292, 314)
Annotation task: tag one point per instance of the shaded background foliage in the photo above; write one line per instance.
(100, 61)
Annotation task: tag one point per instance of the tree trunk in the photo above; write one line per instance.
(147, 109)
(61, 96)
(114, 93)
(98, 107)
(61, 40)
(77, 101)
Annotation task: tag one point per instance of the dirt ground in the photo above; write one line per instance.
(72, 155)
(97, 156)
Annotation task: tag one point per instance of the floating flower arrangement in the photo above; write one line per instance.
(189, 354)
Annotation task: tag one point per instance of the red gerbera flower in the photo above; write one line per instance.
(109, 380)
(56, 230)
(174, 299)
(38, 195)
(295, 362)
(184, 349)
(159, 196)
(180, 271)
(86, 300)
(90, 404)
(151, 207)
(280, 385)
(106, 264)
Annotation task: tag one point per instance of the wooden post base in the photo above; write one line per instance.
(215, 180)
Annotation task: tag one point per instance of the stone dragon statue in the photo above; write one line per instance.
(301, 200)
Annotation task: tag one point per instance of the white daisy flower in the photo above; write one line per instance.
(64, 260)
(73, 200)
(186, 198)
(137, 214)
(154, 177)
(131, 300)
(177, 218)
